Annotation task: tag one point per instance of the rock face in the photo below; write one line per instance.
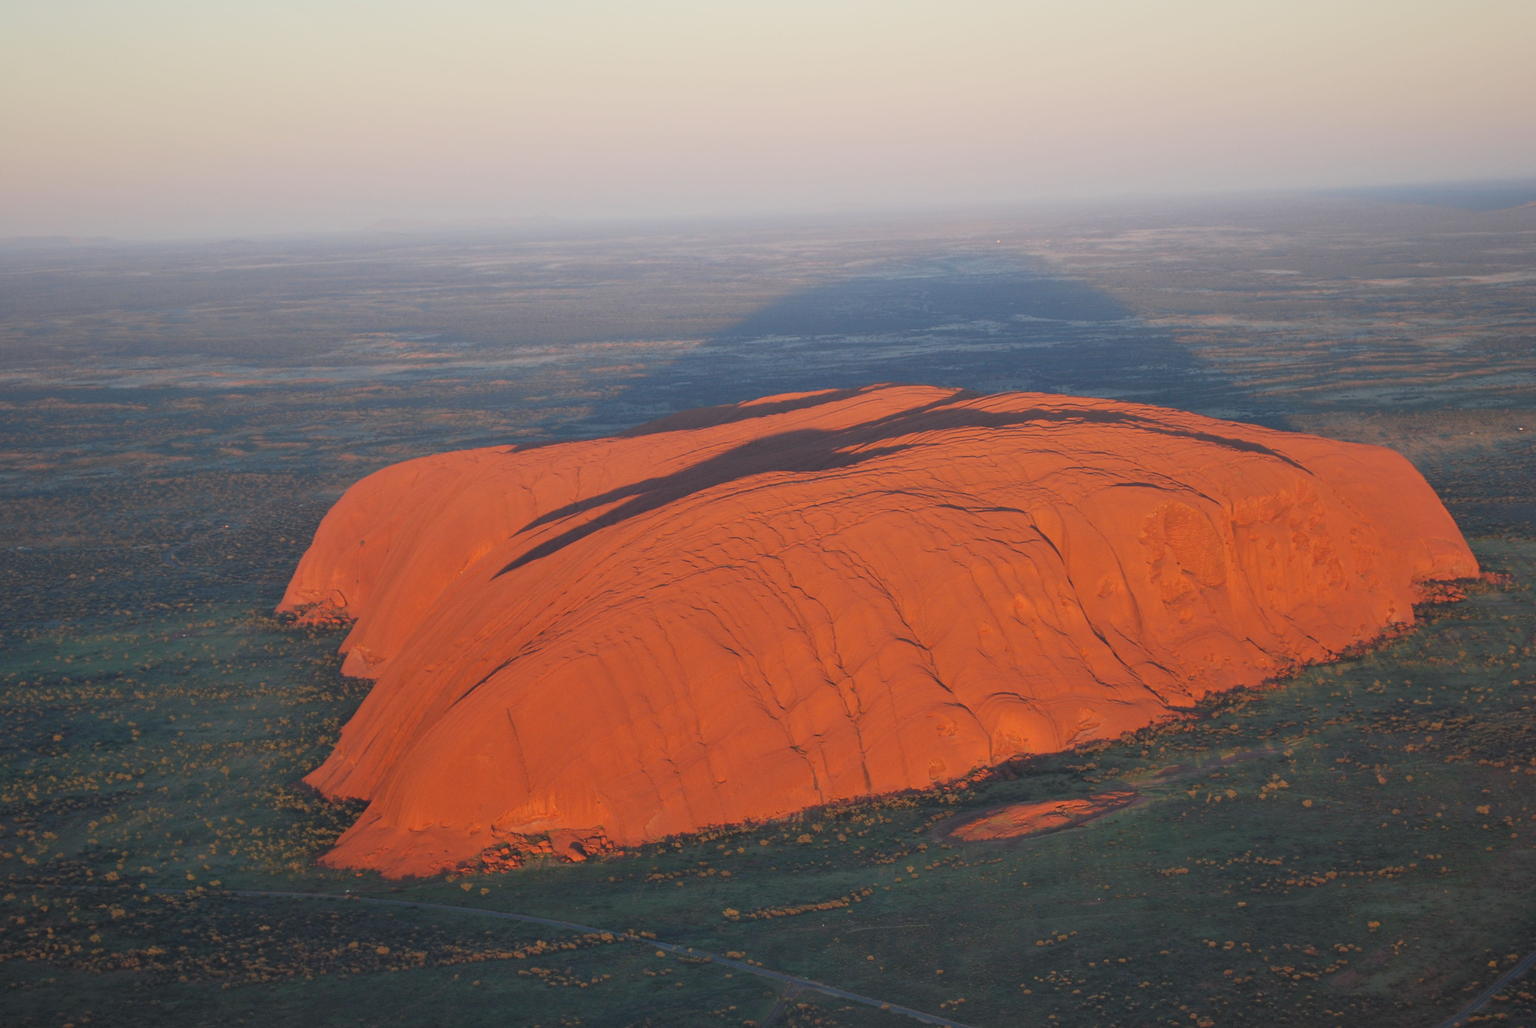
(1020, 819)
(744, 611)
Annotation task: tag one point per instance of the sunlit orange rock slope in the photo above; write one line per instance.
(743, 611)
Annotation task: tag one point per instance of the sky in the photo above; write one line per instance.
(174, 118)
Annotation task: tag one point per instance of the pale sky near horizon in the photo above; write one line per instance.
(162, 118)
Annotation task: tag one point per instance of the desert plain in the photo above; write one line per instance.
(1346, 844)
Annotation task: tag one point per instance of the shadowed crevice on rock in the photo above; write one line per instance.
(807, 452)
(818, 450)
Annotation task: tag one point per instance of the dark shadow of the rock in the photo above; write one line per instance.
(979, 322)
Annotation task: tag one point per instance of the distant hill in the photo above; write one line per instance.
(53, 242)
(1467, 196)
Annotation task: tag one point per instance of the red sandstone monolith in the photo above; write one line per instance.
(742, 612)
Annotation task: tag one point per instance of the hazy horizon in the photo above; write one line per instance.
(172, 119)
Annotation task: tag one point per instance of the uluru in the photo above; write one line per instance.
(743, 611)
